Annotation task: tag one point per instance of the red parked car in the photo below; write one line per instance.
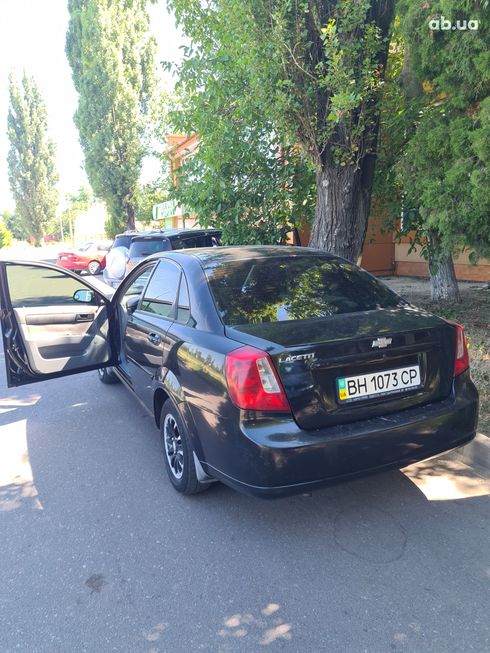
(89, 257)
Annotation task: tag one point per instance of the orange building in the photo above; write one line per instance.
(380, 249)
(382, 253)
(170, 215)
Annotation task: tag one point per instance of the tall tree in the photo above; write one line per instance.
(31, 158)
(317, 66)
(112, 58)
(444, 170)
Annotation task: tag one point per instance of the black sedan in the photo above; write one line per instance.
(275, 370)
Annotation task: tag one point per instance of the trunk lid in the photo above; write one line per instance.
(311, 355)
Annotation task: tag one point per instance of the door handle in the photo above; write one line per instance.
(155, 339)
(84, 317)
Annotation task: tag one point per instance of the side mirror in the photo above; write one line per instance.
(132, 303)
(84, 296)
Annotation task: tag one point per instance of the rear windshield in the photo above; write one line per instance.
(141, 248)
(203, 240)
(123, 241)
(253, 291)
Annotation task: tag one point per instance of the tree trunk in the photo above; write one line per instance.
(444, 286)
(130, 224)
(344, 192)
(342, 208)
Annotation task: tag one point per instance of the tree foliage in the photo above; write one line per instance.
(112, 58)
(5, 235)
(445, 167)
(244, 178)
(14, 225)
(255, 190)
(286, 73)
(149, 194)
(435, 122)
(31, 158)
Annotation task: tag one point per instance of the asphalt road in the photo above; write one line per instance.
(100, 554)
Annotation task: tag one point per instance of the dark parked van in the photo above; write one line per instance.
(145, 245)
(123, 255)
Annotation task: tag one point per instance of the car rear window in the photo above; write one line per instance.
(256, 290)
(202, 240)
(141, 248)
(123, 241)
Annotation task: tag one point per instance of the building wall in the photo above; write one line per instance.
(415, 265)
(383, 256)
(180, 146)
(378, 254)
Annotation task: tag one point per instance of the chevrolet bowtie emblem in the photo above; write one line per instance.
(381, 342)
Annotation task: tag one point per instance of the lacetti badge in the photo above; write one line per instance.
(381, 342)
(298, 357)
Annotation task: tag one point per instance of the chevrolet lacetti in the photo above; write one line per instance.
(275, 370)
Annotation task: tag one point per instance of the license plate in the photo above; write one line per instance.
(387, 382)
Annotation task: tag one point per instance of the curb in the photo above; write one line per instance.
(476, 453)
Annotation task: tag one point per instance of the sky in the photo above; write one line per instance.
(32, 37)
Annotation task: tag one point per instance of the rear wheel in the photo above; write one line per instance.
(177, 451)
(107, 375)
(93, 267)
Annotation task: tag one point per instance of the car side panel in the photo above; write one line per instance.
(197, 365)
(171, 386)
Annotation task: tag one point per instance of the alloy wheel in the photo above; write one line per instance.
(174, 449)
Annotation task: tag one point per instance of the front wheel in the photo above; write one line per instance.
(177, 451)
(93, 267)
(107, 375)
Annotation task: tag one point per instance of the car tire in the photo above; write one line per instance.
(177, 452)
(93, 267)
(107, 376)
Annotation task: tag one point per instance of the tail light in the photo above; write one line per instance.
(462, 359)
(253, 382)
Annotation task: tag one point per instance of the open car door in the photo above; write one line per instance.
(53, 323)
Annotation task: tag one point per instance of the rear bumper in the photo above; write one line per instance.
(282, 459)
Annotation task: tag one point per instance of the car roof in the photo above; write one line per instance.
(169, 233)
(208, 256)
(174, 233)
